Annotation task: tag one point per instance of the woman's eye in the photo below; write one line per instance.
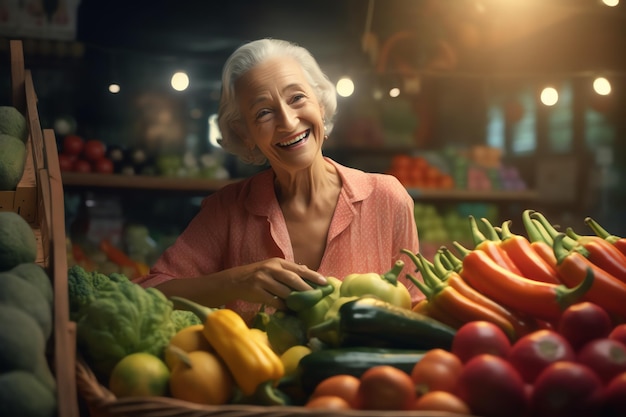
(298, 97)
(262, 114)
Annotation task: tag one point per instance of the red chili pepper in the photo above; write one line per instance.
(617, 241)
(448, 275)
(606, 290)
(491, 248)
(524, 256)
(118, 257)
(451, 301)
(594, 248)
(538, 299)
(540, 240)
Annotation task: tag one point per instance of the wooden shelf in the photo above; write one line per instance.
(473, 195)
(92, 180)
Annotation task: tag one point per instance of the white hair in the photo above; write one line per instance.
(247, 57)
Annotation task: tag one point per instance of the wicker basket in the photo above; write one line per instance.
(102, 403)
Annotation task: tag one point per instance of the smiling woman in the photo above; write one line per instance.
(304, 218)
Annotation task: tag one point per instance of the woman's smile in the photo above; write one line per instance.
(295, 140)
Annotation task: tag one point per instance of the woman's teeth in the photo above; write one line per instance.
(295, 140)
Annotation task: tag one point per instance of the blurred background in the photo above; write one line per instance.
(483, 107)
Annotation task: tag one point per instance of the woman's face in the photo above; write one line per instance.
(281, 113)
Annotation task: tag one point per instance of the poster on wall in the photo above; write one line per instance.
(39, 19)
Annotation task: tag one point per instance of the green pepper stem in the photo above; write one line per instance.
(506, 230)
(477, 236)
(391, 276)
(199, 310)
(550, 229)
(425, 289)
(442, 265)
(600, 231)
(462, 249)
(455, 263)
(492, 234)
(569, 296)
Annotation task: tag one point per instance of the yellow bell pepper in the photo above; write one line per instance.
(251, 362)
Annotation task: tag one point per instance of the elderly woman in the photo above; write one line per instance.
(304, 218)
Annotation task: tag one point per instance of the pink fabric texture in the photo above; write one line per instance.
(242, 223)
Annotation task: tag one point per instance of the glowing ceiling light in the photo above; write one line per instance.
(394, 92)
(602, 86)
(610, 3)
(549, 96)
(345, 87)
(180, 81)
(114, 88)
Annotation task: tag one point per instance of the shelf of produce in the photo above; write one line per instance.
(92, 180)
(473, 195)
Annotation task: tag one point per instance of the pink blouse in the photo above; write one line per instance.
(242, 223)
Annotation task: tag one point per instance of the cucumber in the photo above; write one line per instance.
(319, 365)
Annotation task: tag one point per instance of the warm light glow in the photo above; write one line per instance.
(345, 87)
(394, 92)
(602, 86)
(549, 96)
(377, 94)
(180, 81)
(610, 3)
(114, 88)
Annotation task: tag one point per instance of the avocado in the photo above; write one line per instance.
(12, 161)
(22, 395)
(17, 241)
(13, 123)
(22, 345)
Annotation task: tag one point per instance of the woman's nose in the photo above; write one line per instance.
(287, 117)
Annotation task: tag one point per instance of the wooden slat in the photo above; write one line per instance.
(17, 74)
(64, 342)
(32, 116)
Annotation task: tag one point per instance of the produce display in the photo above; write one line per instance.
(501, 332)
(27, 384)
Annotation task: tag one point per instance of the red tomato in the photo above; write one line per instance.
(73, 145)
(491, 387)
(103, 166)
(615, 396)
(66, 162)
(344, 386)
(607, 357)
(384, 387)
(619, 333)
(533, 352)
(438, 370)
(478, 337)
(583, 322)
(80, 165)
(328, 402)
(566, 389)
(94, 150)
(441, 401)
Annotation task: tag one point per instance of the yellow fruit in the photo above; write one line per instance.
(291, 357)
(139, 374)
(188, 339)
(201, 377)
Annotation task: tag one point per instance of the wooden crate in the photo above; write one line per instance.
(38, 198)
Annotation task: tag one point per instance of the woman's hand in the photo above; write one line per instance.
(271, 280)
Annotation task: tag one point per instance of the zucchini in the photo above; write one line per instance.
(372, 322)
(321, 364)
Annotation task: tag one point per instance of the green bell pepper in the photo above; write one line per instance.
(315, 314)
(385, 287)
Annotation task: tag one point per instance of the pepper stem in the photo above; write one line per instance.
(391, 276)
(600, 231)
(477, 236)
(551, 230)
(462, 249)
(568, 296)
(199, 310)
(492, 234)
(506, 230)
(456, 263)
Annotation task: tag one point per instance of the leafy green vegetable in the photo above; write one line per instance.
(184, 318)
(116, 317)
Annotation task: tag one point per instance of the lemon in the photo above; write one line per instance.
(139, 374)
(291, 358)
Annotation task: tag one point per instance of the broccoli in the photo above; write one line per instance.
(116, 317)
(184, 318)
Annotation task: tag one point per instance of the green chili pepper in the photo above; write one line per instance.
(315, 314)
(385, 287)
(302, 300)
